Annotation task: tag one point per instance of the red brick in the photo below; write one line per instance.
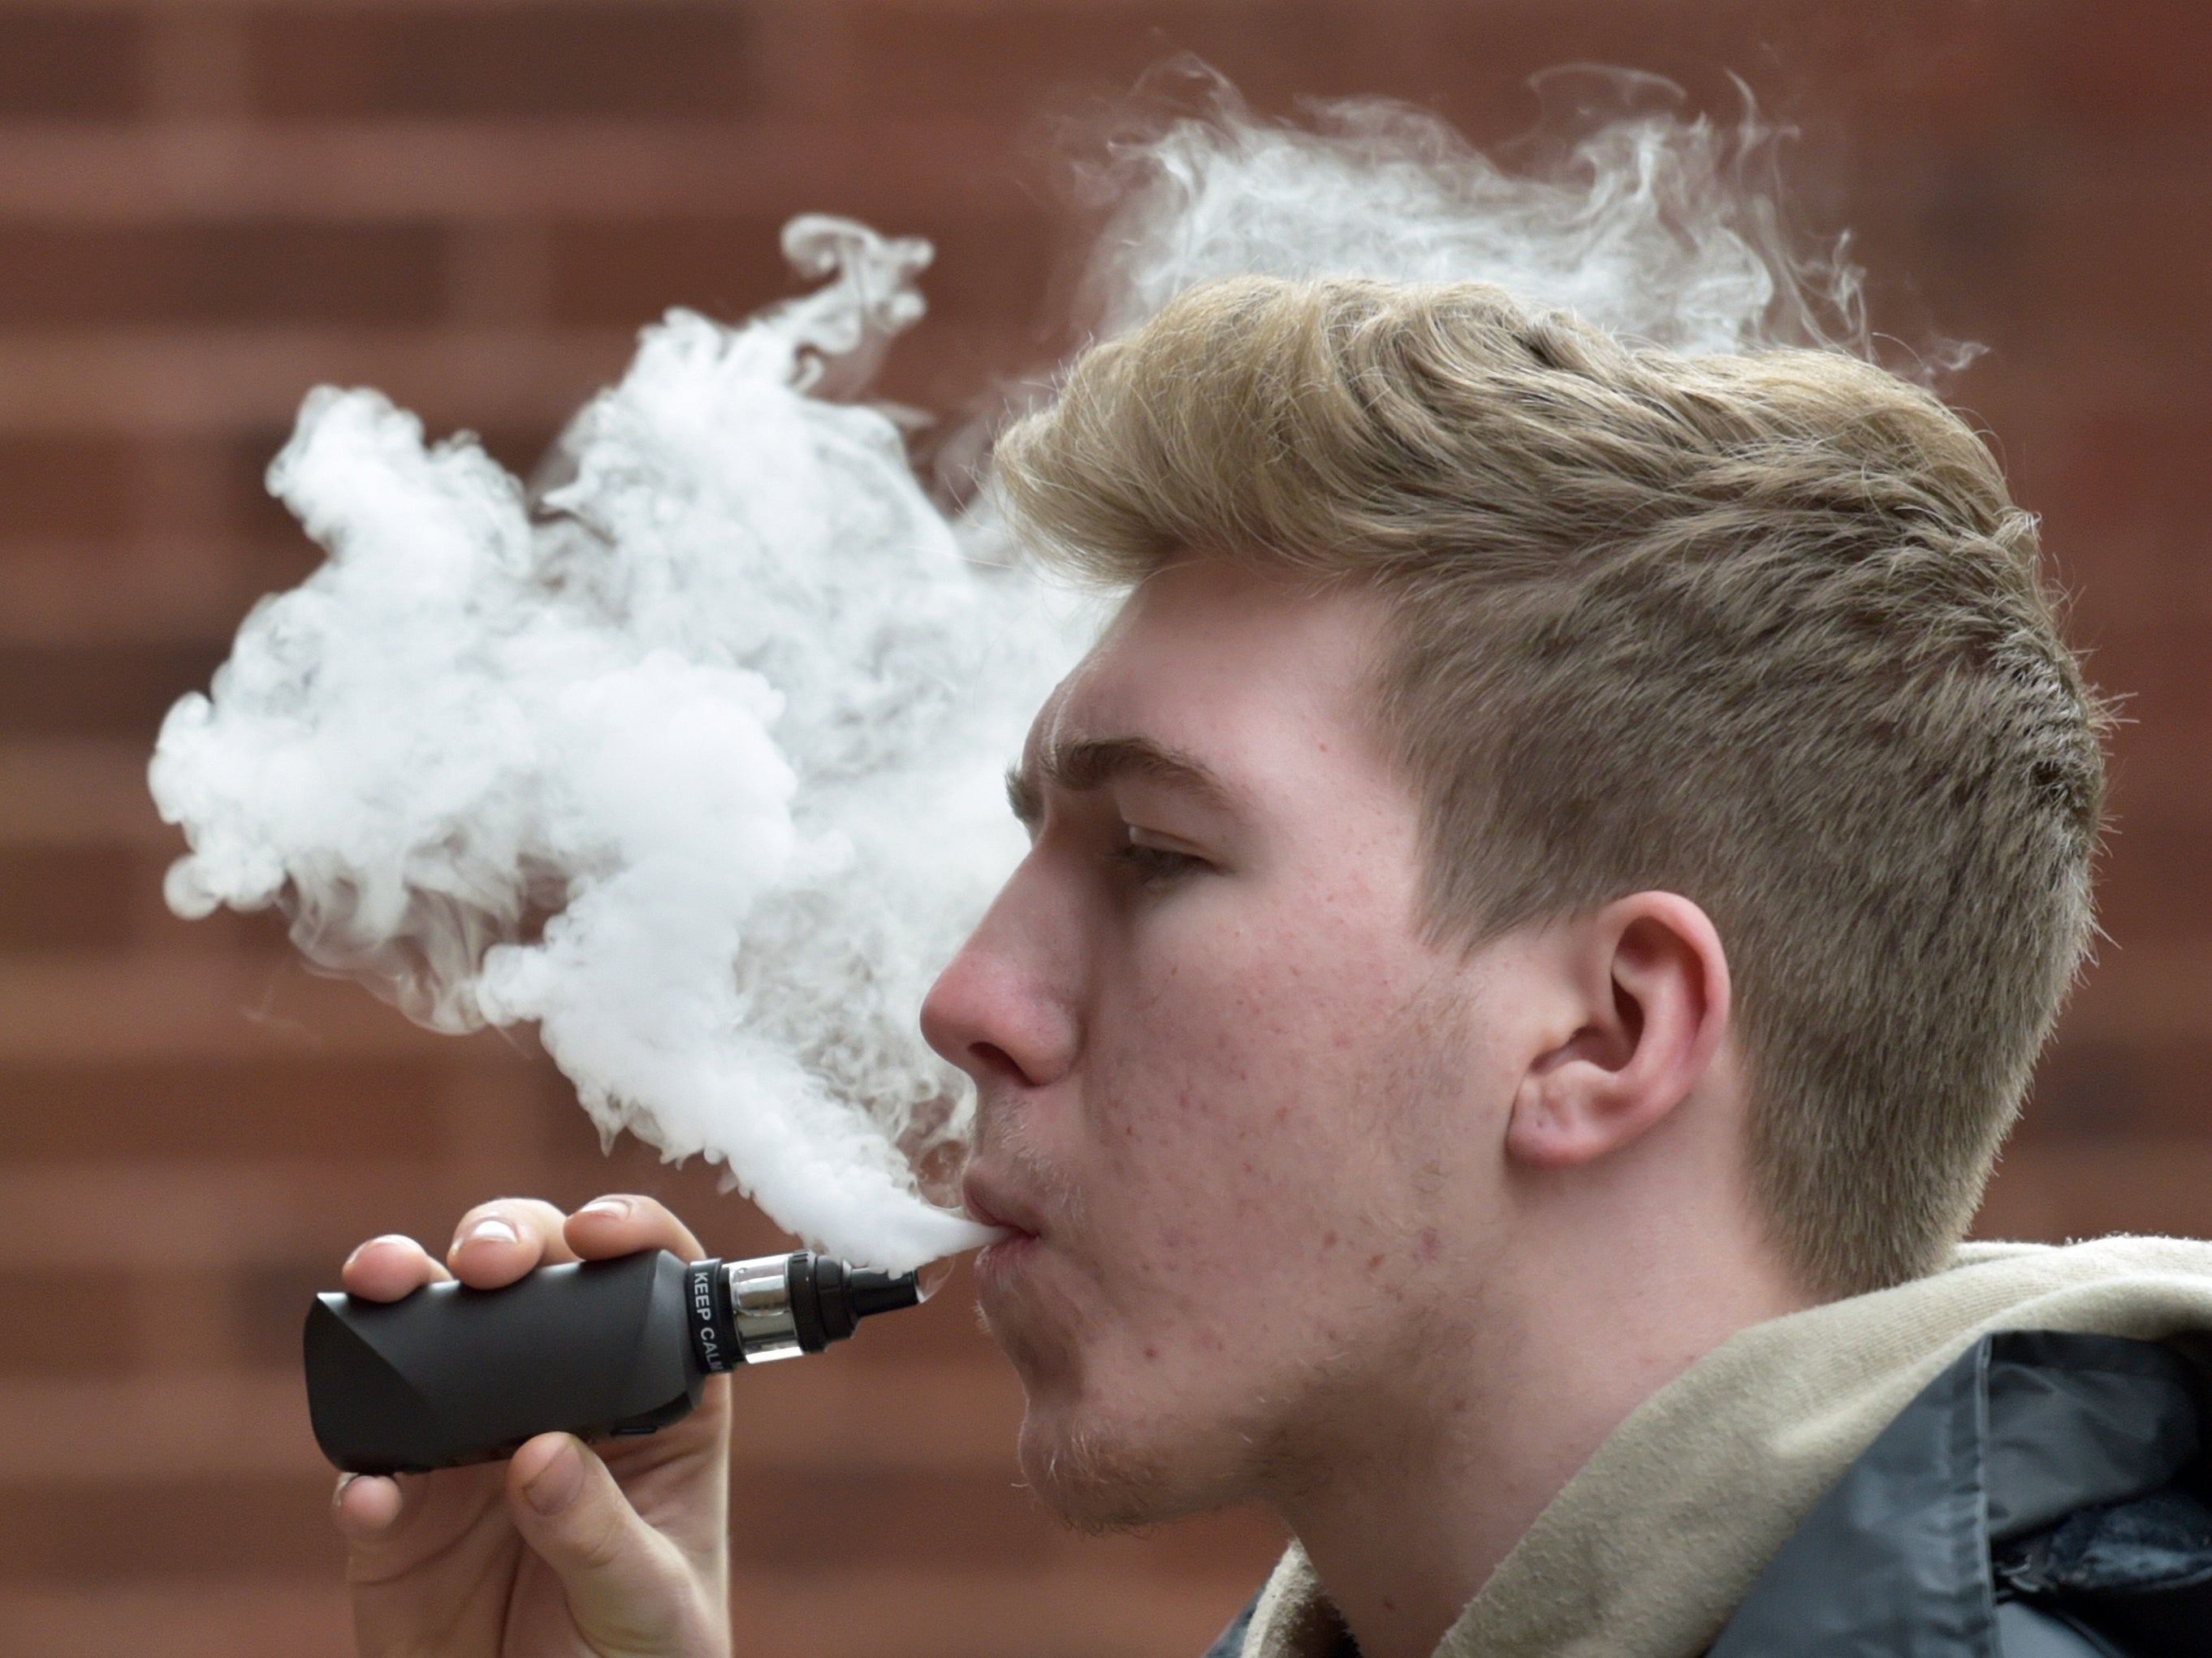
(2156, 666)
(631, 272)
(962, 377)
(77, 485)
(259, 939)
(531, 60)
(269, 1304)
(242, 1614)
(1916, 75)
(988, 291)
(247, 507)
(66, 898)
(1100, 1602)
(2142, 70)
(993, 269)
(53, 1534)
(58, 1323)
(2051, 1192)
(797, 1519)
(2090, 1089)
(2109, 243)
(793, 1519)
(1018, 62)
(69, 65)
(2121, 518)
(73, 276)
(1080, 63)
(243, 1111)
(99, 691)
(1239, 1546)
(1881, 65)
(2158, 772)
(988, 269)
(2156, 883)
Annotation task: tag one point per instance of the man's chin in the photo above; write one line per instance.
(1096, 1483)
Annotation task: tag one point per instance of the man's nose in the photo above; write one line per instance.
(1003, 1010)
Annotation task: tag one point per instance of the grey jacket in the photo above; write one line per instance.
(2046, 1497)
(1846, 1482)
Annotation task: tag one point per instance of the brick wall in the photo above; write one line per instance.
(204, 208)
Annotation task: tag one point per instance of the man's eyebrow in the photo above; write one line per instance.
(1092, 763)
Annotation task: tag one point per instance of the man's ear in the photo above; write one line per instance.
(1650, 982)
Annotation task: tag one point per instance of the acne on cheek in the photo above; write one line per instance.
(1280, 1009)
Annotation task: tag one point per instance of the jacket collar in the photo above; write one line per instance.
(1649, 1549)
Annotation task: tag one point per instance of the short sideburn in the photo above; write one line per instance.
(1765, 630)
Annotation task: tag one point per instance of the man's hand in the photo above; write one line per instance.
(562, 1551)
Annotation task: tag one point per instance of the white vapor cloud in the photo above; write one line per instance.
(691, 758)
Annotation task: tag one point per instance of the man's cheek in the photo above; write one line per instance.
(1041, 1357)
(1048, 1322)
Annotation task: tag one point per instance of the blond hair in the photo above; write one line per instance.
(1766, 630)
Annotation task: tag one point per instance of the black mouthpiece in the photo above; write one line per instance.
(450, 1375)
(874, 1292)
(828, 1299)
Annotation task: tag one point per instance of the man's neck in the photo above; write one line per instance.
(1451, 1473)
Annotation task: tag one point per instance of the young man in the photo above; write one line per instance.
(1541, 909)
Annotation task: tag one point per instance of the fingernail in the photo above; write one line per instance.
(492, 1229)
(363, 1247)
(614, 1208)
(558, 1482)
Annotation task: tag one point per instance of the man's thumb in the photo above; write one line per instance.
(626, 1587)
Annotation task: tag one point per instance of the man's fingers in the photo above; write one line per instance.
(365, 1505)
(621, 1224)
(497, 1242)
(388, 1268)
(627, 1586)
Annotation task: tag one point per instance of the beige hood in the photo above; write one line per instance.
(1649, 1547)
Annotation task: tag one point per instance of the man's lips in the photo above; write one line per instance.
(990, 1204)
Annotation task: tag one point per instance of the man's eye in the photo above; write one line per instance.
(1156, 865)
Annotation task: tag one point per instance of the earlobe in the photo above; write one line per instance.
(1541, 1134)
(1650, 982)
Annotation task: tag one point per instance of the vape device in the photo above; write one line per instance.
(600, 1349)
